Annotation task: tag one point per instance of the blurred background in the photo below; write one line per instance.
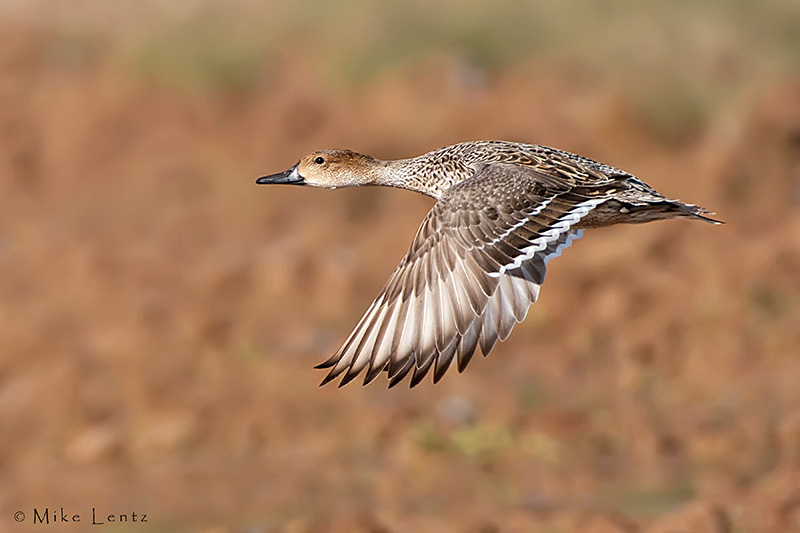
(160, 314)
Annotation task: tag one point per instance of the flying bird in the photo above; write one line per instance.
(477, 262)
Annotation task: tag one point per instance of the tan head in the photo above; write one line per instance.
(328, 168)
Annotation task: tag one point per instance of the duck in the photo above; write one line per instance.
(477, 262)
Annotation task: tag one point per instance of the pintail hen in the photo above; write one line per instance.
(478, 260)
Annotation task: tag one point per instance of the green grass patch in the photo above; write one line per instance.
(651, 502)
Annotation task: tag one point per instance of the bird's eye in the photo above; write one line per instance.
(319, 160)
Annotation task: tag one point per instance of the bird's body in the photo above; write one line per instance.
(478, 260)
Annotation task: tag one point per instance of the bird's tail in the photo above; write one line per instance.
(626, 212)
(674, 208)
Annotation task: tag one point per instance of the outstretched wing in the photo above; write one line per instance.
(474, 267)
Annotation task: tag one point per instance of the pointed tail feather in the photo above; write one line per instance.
(695, 211)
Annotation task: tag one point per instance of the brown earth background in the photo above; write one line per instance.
(160, 314)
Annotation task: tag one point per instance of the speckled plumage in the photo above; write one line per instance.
(478, 260)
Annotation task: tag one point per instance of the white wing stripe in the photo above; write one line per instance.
(519, 224)
(540, 243)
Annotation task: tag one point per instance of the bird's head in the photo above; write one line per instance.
(329, 169)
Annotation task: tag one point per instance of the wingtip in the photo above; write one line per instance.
(326, 364)
(327, 379)
(393, 383)
(417, 378)
(401, 373)
(348, 378)
(370, 375)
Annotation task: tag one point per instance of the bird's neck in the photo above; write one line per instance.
(416, 174)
